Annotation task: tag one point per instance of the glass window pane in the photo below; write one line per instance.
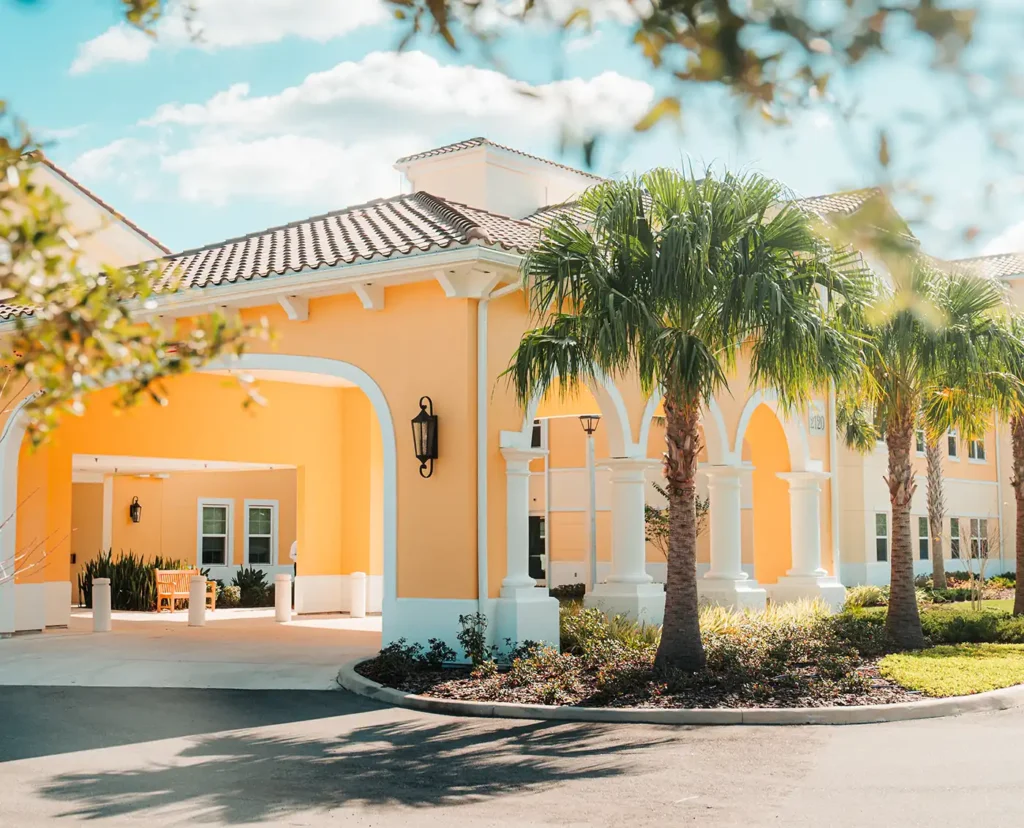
(881, 524)
(259, 550)
(922, 527)
(215, 519)
(214, 551)
(259, 520)
(951, 443)
(881, 552)
(923, 548)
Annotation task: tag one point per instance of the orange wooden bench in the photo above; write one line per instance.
(172, 585)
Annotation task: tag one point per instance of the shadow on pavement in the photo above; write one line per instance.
(45, 721)
(239, 778)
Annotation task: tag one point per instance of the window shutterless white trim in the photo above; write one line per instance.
(881, 534)
(954, 537)
(979, 537)
(923, 538)
(953, 445)
(229, 527)
(919, 442)
(261, 504)
(976, 451)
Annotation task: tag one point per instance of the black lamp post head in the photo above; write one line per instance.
(590, 422)
(424, 436)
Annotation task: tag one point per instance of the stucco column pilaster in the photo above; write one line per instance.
(725, 582)
(629, 538)
(517, 527)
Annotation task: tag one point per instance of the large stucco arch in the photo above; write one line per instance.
(295, 367)
(716, 439)
(797, 440)
(613, 409)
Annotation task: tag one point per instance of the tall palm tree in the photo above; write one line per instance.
(932, 348)
(669, 277)
(936, 508)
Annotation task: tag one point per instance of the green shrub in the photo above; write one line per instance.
(254, 591)
(229, 596)
(953, 595)
(866, 596)
(968, 627)
(581, 628)
(473, 638)
(568, 592)
(1001, 582)
(132, 579)
(400, 660)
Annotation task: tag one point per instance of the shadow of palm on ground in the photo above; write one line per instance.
(245, 777)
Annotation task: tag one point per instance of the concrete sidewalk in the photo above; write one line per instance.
(237, 649)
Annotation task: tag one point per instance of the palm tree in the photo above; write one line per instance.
(932, 349)
(670, 277)
(936, 508)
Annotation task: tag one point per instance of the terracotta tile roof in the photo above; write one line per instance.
(472, 143)
(380, 229)
(835, 204)
(90, 194)
(1001, 265)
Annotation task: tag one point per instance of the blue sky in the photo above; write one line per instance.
(285, 108)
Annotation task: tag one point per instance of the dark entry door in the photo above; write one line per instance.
(537, 548)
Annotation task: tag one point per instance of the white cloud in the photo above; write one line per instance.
(332, 139)
(1011, 240)
(220, 24)
(289, 168)
(118, 44)
(119, 162)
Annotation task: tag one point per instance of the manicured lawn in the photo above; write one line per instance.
(957, 669)
(1001, 604)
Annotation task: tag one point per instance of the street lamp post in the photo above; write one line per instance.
(590, 423)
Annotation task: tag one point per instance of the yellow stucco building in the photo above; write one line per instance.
(418, 295)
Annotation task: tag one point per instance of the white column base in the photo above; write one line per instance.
(639, 602)
(798, 587)
(527, 614)
(732, 593)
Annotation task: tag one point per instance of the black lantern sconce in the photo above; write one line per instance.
(135, 510)
(590, 423)
(424, 436)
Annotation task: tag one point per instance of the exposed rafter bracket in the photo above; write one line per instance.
(296, 307)
(371, 295)
(467, 284)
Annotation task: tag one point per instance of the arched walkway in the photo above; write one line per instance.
(300, 370)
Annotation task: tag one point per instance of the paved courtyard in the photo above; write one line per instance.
(237, 649)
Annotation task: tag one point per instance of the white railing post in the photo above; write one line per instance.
(283, 597)
(197, 601)
(101, 604)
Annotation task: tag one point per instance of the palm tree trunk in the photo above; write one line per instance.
(902, 621)
(1017, 437)
(681, 647)
(936, 511)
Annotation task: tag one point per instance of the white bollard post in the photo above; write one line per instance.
(101, 604)
(357, 604)
(283, 598)
(197, 601)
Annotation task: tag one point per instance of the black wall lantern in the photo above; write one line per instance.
(424, 436)
(590, 423)
(135, 510)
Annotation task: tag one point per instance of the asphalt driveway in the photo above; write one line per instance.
(233, 757)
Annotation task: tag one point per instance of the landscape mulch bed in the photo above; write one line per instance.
(457, 684)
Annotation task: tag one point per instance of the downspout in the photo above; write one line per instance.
(999, 492)
(482, 588)
(833, 467)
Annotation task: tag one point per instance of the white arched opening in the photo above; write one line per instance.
(296, 368)
(796, 432)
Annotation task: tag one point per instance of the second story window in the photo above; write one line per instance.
(919, 440)
(951, 443)
(976, 450)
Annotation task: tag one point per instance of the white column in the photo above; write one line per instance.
(629, 542)
(517, 528)
(805, 521)
(357, 599)
(725, 484)
(101, 604)
(807, 578)
(725, 582)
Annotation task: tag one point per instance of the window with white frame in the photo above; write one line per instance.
(538, 437)
(951, 443)
(260, 532)
(922, 538)
(954, 537)
(919, 441)
(214, 532)
(979, 538)
(976, 450)
(881, 536)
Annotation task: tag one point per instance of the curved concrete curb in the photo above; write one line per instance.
(864, 714)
